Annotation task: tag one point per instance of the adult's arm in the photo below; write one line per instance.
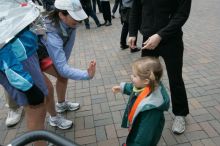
(54, 45)
(177, 21)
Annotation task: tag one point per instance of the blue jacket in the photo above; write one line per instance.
(59, 41)
(18, 49)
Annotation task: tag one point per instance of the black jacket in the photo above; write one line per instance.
(164, 17)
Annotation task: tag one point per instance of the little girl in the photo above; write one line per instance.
(144, 114)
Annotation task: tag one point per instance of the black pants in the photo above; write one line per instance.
(172, 53)
(124, 34)
(106, 10)
(91, 13)
(116, 4)
(94, 5)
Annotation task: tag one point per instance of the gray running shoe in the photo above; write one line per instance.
(67, 106)
(60, 122)
(179, 125)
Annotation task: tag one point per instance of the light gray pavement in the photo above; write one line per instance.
(97, 123)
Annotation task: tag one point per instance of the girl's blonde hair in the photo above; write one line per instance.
(149, 68)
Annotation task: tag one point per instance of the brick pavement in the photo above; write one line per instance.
(97, 123)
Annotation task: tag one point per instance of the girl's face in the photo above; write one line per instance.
(68, 20)
(137, 81)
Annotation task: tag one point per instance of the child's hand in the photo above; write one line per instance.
(116, 89)
(91, 69)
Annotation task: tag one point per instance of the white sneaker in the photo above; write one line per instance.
(14, 116)
(67, 106)
(179, 125)
(60, 122)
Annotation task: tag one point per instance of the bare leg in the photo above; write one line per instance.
(50, 104)
(35, 117)
(61, 83)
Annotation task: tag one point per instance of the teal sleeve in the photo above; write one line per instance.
(147, 129)
(128, 88)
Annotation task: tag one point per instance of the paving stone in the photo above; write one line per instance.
(92, 144)
(110, 131)
(168, 137)
(183, 144)
(102, 116)
(117, 117)
(89, 123)
(105, 107)
(208, 142)
(84, 132)
(11, 134)
(203, 117)
(197, 143)
(111, 142)
(214, 112)
(216, 125)
(208, 129)
(96, 108)
(79, 123)
(86, 140)
(117, 108)
(84, 113)
(122, 140)
(193, 127)
(85, 108)
(103, 122)
(198, 112)
(87, 100)
(181, 138)
(196, 135)
(216, 140)
(100, 133)
(70, 135)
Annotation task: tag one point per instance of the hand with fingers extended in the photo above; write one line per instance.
(92, 68)
(152, 42)
(131, 42)
(116, 89)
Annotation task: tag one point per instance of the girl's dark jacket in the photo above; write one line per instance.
(148, 121)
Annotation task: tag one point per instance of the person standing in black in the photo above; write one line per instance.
(115, 7)
(106, 11)
(160, 22)
(87, 7)
(124, 10)
(94, 5)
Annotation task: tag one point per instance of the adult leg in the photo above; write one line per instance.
(95, 18)
(124, 34)
(99, 6)
(55, 119)
(173, 59)
(108, 12)
(61, 83)
(104, 12)
(178, 92)
(61, 87)
(86, 21)
(35, 117)
(94, 5)
(50, 103)
(114, 9)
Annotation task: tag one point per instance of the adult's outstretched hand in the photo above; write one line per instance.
(92, 68)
